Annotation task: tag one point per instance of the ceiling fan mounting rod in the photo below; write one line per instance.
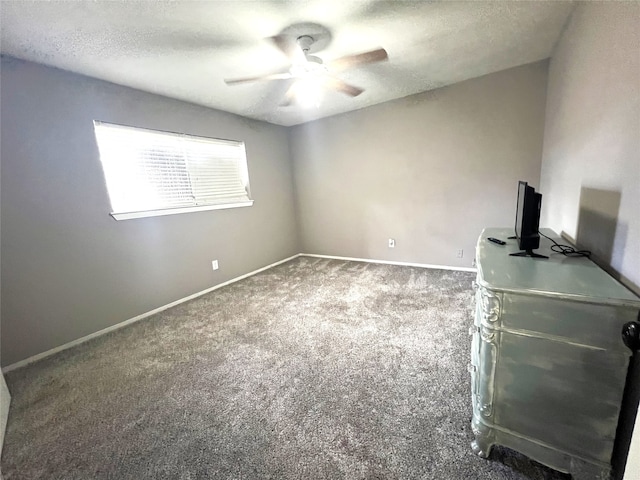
(305, 42)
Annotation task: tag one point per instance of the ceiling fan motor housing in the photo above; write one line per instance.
(305, 42)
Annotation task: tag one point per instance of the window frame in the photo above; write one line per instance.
(187, 160)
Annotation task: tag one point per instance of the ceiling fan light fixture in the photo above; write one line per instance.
(312, 67)
(308, 92)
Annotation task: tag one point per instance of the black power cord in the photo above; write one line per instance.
(566, 250)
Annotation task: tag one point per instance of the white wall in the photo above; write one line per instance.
(633, 461)
(591, 157)
(430, 170)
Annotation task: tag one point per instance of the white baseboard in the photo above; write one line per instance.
(124, 323)
(389, 262)
(5, 400)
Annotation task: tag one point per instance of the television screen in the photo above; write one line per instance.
(527, 220)
(522, 189)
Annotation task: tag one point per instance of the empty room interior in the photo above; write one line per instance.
(314, 293)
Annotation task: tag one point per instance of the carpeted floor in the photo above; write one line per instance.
(315, 369)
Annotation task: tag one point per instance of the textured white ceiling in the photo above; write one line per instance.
(184, 49)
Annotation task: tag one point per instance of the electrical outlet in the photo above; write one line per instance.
(214, 264)
(460, 253)
(392, 243)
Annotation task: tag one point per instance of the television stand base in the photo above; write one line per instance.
(527, 253)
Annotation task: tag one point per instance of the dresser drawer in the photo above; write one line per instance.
(575, 322)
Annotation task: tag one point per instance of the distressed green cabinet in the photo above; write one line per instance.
(548, 364)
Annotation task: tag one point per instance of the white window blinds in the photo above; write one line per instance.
(150, 172)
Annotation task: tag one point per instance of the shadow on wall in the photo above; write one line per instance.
(598, 226)
(597, 230)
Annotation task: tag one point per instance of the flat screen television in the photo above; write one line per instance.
(528, 221)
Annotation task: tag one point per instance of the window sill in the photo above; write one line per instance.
(174, 211)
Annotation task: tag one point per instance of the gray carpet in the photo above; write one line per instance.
(315, 369)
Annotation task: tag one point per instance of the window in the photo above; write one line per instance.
(151, 173)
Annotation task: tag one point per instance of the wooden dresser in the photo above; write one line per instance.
(548, 363)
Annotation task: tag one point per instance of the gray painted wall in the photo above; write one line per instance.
(430, 170)
(68, 268)
(591, 156)
(5, 397)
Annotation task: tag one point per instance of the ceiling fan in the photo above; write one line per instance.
(309, 72)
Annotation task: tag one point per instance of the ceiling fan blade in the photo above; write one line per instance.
(329, 82)
(289, 47)
(272, 76)
(343, 87)
(350, 61)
